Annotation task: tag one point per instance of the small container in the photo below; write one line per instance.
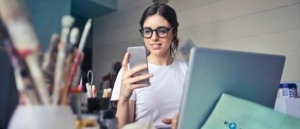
(78, 102)
(97, 104)
(288, 90)
(42, 117)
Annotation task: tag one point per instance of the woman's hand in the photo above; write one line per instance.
(172, 121)
(130, 82)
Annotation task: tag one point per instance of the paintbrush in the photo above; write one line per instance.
(25, 41)
(49, 60)
(74, 35)
(80, 54)
(67, 22)
(50, 54)
(22, 78)
(78, 58)
(73, 38)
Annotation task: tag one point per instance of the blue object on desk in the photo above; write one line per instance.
(289, 89)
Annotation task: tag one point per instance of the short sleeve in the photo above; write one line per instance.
(116, 90)
(117, 86)
(133, 96)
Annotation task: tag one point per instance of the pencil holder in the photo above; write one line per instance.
(42, 117)
(97, 104)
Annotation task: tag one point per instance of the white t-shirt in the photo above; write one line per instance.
(162, 98)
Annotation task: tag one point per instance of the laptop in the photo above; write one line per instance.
(211, 72)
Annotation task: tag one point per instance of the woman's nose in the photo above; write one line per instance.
(154, 36)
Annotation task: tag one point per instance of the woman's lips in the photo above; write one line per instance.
(156, 46)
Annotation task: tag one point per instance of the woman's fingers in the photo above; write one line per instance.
(131, 83)
(128, 73)
(175, 121)
(136, 86)
(128, 92)
(136, 79)
(139, 68)
(172, 121)
(125, 61)
(131, 72)
(129, 80)
(139, 78)
(167, 120)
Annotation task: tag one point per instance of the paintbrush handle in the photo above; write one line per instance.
(24, 39)
(23, 81)
(18, 24)
(67, 22)
(85, 33)
(76, 63)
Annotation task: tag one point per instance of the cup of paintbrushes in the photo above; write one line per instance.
(42, 117)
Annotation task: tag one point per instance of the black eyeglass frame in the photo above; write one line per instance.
(168, 30)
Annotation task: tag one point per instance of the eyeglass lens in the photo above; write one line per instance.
(160, 32)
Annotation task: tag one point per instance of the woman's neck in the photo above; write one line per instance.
(160, 60)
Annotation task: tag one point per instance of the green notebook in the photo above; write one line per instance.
(235, 113)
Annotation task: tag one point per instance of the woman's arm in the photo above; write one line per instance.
(126, 107)
(125, 112)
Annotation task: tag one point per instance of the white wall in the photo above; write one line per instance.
(265, 26)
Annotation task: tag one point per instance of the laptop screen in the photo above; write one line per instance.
(211, 72)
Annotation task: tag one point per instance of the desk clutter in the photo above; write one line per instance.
(49, 86)
(91, 101)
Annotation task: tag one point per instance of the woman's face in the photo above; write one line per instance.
(157, 45)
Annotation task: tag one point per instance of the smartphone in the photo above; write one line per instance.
(137, 56)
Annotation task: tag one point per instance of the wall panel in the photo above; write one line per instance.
(265, 26)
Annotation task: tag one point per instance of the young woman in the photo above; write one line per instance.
(159, 100)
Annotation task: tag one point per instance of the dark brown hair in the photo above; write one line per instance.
(170, 15)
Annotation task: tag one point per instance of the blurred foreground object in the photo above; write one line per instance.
(25, 42)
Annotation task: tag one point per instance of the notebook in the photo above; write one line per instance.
(211, 72)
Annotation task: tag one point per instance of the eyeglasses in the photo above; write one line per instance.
(161, 32)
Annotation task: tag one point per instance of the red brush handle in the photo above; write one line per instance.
(73, 71)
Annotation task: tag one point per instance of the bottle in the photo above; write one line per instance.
(288, 90)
